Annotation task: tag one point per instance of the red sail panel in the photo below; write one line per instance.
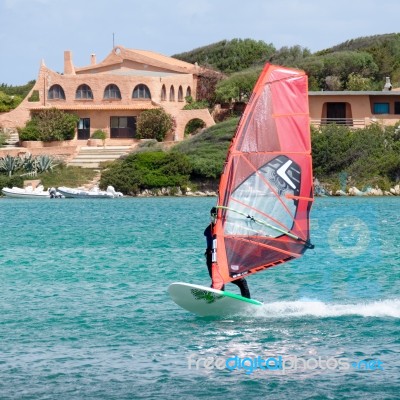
(265, 192)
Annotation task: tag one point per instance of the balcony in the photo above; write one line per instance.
(350, 122)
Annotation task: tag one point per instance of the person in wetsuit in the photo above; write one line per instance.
(208, 233)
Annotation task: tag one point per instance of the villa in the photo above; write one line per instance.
(111, 94)
(356, 109)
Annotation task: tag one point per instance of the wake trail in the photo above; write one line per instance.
(315, 308)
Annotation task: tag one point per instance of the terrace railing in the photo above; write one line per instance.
(350, 122)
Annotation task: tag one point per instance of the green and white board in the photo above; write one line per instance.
(208, 302)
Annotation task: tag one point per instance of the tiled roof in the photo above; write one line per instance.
(120, 53)
(141, 73)
(354, 93)
(165, 59)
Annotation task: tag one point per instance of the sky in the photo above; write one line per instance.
(36, 30)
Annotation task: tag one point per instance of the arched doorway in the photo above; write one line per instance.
(194, 126)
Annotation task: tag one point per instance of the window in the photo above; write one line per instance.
(381, 108)
(397, 107)
(84, 128)
(123, 127)
(112, 92)
(180, 94)
(141, 92)
(188, 92)
(163, 93)
(84, 92)
(56, 92)
(171, 94)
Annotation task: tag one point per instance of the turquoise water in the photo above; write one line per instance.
(84, 312)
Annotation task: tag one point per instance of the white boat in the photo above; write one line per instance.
(94, 193)
(30, 193)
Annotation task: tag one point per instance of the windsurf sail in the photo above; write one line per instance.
(265, 191)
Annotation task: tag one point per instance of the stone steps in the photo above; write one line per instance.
(12, 139)
(91, 157)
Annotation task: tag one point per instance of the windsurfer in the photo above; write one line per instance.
(208, 233)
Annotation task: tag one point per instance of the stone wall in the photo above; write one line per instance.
(62, 152)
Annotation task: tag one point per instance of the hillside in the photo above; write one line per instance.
(365, 42)
(230, 55)
(371, 58)
(207, 150)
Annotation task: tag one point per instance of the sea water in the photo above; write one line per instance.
(85, 313)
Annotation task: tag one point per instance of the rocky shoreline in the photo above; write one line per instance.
(319, 191)
(176, 192)
(354, 191)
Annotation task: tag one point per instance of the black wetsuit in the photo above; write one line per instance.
(241, 282)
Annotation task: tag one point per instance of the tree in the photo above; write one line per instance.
(339, 64)
(194, 105)
(357, 82)
(154, 124)
(21, 91)
(230, 55)
(8, 102)
(206, 83)
(333, 82)
(237, 87)
(290, 56)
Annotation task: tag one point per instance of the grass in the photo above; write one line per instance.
(207, 150)
(67, 176)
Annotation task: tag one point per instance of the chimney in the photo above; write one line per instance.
(68, 65)
(388, 85)
(93, 59)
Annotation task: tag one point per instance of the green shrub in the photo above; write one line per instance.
(8, 102)
(34, 96)
(195, 105)
(207, 150)
(148, 144)
(147, 170)
(330, 149)
(50, 125)
(369, 156)
(154, 124)
(6, 181)
(29, 132)
(99, 134)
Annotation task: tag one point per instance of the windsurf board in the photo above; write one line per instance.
(205, 301)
